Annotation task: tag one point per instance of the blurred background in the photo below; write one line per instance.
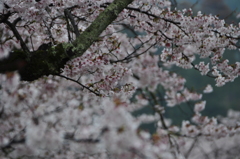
(222, 98)
(225, 9)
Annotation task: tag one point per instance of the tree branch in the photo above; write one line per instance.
(50, 61)
(94, 92)
(70, 17)
(18, 36)
(106, 17)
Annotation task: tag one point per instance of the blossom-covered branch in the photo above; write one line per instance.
(75, 75)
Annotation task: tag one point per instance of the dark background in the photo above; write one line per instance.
(222, 98)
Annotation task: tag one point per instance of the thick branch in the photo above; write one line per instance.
(44, 61)
(52, 59)
(91, 34)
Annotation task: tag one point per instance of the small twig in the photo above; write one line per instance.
(193, 65)
(130, 56)
(68, 28)
(18, 36)
(194, 4)
(49, 32)
(191, 148)
(165, 35)
(97, 94)
(145, 12)
(228, 36)
(69, 15)
(152, 15)
(231, 14)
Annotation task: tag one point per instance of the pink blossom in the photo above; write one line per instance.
(86, 110)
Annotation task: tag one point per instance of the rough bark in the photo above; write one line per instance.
(50, 60)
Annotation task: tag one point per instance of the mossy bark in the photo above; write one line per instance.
(45, 62)
(92, 33)
(52, 60)
(40, 63)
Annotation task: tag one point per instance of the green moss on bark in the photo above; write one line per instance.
(50, 60)
(45, 62)
(92, 33)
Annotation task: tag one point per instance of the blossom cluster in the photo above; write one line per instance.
(86, 111)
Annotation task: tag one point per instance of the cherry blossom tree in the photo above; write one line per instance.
(69, 68)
